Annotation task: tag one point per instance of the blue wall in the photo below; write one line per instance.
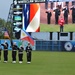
(45, 45)
(18, 43)
(55, 45)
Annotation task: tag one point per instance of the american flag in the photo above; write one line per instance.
(31, 17)
(6, 35)
(26, 10)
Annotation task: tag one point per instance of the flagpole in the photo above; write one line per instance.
(10, 19)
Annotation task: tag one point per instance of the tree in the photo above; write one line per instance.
(7, 25)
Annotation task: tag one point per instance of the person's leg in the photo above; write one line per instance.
(0, 55)
(27, 57)
(48, 19)
(67, 20)
(62, 28)
(57, 20)
(14, 57)
(74, 18)
(20, 58)
(30, 56)
(6, 55)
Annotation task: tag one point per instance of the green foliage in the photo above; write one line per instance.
(6, 25)
(2, 22)
(43, 63)
(1, 35)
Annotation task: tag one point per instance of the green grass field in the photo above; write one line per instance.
(43, 63)
(56, 28)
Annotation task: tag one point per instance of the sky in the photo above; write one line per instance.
(4, 8)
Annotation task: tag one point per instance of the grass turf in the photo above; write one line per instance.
(56, 28)
(43, 63)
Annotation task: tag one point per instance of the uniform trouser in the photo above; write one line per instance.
(13, 55)
(61, 28)
(66, 19)
(29, 57)
(48, 19)
(0, 55)
(73, 18)
(20, 57)
(56, 19)
(5, 55)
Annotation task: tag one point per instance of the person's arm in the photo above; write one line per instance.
(2, 44)
(17, 48)
(30, 48)
(54, 10)
(50, 14)
(26, 49)
(7, 44)
(22, 48)
(71, 8)
(63, 9)
(46, 11)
